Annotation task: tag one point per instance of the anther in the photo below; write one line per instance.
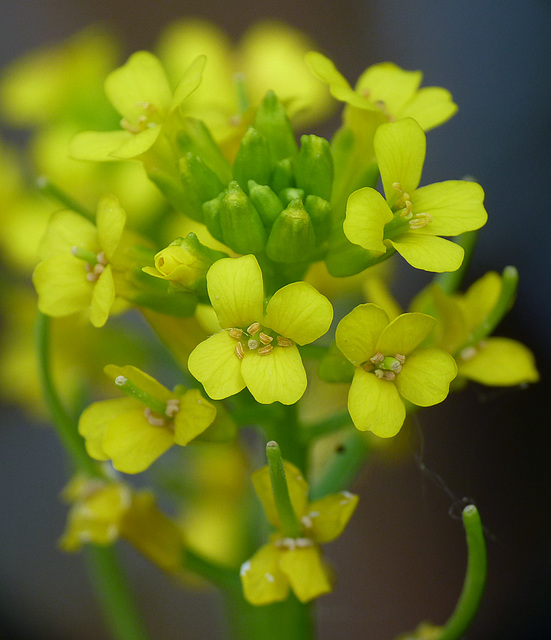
(468, 353)
(172, 407)
(252, 344)
(239, 351)
(264, 338)
(379, 374)
(396, 367)
(283, 342)
(407, 213)
(253, 328)
(153, 420)
(389, 375)
(377, 358)
(265, 351)
(236, 334)
(421, 220)
(400, 357)
(102, 259)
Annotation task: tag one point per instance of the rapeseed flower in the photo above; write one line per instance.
(411, 219)
(390, 367)
(295, 563)
(257, 349)
(134, 431)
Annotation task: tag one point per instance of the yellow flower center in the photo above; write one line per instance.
(403, 209)
(385, 367)
(95, 263)
(146, 120)
(257, 338)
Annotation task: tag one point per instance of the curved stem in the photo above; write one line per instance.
(475, 578)
(289, 521)
(112, 590)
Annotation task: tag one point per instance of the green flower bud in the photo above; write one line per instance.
(185, 263)
(314, 166)
(211, 215)
(282, 175)
(200, 184)
(292, 238)
(195, 137)
(320, 214)
(252, 161)
(273, 123)
(291, 193)
(266, 202)
(242, 227)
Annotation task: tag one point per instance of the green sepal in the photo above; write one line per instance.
(346, 259)
(334, 367)
(211, 215)
(282, 175)
(195, 137)
(292, 238)
(266, 202)
(291, 193)
(200, 184)
(314, 167)
(320, 214)
(252, 161)
(272, 122)
(242, 227)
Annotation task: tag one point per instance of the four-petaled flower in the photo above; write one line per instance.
(134, 433)
(411, 219)
(141, 93)
(390, 367)
(295, 563)
(257, 349)
(76, 270)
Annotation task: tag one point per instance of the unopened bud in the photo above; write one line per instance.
(211, 215)
(242, 227)
(266, 202)
(273, 123)
(292, 238)
(252, 161)
(319, 211)
(291, 193)
(200, 184)
(282, 175)
(314, 167)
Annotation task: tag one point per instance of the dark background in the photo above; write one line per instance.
(403, 559)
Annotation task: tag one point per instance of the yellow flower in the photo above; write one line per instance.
(295, 563)
(76, 273)
(390, 367)
(257, 349)
(387, 92)
(411, 219)
(102, 512)
(133, 432)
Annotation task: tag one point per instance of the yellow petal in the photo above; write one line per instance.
(133, 444)
(366, 216)
(62, 286)
(400, 149)
(103, 296)
(194, 415)
(65, 230)
(429, 253)
(375, 405)
(387, 83)
(377, 291)
(330, 515)
(98, 146)
(500, 362)
(325, 69)
(430, 107)
(425, 377)
(110, 223)
(141, 379)
(357, 333)
(480, 298)
(405, 333)
(455, 207)
(298, 491)
(306, 572)
(452, 328)
(276, 377)
(236, 291)
(299, 312)
(215, 364)
(262, 579)
(190, 81)
(137, 143)
(140, 81)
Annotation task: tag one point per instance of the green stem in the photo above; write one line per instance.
(112, 590)
(450, 281)
(289, 521)
(220, 576)
(509, 283)
(52, 191)
(475, 578)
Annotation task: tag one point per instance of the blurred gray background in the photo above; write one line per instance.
(403, 559)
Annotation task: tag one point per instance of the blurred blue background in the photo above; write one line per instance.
(491, 445)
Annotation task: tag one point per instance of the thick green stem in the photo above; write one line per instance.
(475, 578)
(289, 521)
(112, 590)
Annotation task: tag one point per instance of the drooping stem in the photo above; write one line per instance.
(112, 591)
(475, 578)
